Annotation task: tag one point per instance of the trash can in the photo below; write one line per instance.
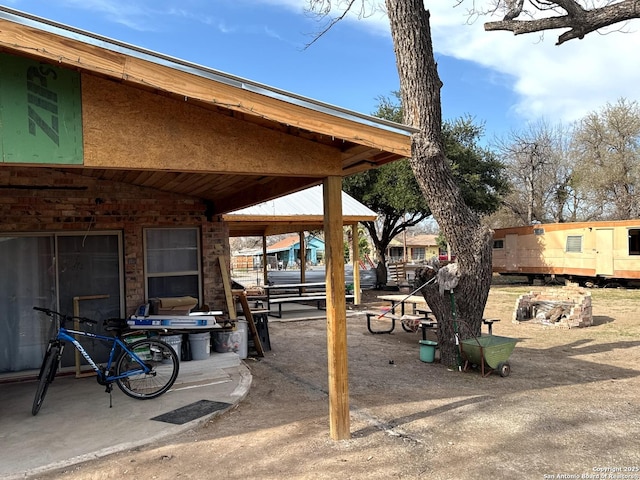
(200, 344)
(427, 350)
(176, 343)
(243, 344)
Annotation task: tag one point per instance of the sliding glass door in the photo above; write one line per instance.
(75, 274)
(89, 285)
(27, 278)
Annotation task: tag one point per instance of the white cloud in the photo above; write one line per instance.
(130, 14)
(558, 82)
(561, 83)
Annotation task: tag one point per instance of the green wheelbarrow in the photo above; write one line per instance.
(491, 352)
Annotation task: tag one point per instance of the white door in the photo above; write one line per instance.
(604, 251)
(511, 252)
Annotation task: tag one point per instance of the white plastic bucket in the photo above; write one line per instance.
(235, 341)
(243, 342)
(200, 344)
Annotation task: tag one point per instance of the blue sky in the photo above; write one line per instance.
(501, 80)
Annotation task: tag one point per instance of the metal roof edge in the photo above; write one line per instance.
(100, 41)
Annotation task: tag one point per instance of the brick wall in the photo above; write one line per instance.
(47, 200)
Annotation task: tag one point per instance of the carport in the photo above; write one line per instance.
(298, 212)
(101, 136)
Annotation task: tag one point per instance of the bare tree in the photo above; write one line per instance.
(608, 145)
(579, 18)
(541, 174)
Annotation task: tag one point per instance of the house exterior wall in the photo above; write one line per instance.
(47, 200)
(542, 249)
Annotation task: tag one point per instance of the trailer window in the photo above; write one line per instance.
(498, 243)
(634, 241)
(574, 243)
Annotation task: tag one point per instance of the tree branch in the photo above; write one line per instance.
(579, 21)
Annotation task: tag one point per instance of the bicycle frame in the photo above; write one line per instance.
(65, 335)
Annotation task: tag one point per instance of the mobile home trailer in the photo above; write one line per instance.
(591, 253)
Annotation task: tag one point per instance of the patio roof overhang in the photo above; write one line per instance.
(297, 212)
(244, 142)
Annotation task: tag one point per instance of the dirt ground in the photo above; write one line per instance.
(569, 409)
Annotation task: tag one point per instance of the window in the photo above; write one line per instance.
(172, 264)
(574, 243)
(417, 253)
(498, 243)
(634, 241)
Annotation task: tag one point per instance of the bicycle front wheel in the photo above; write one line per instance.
(157, 355)
(47, 373)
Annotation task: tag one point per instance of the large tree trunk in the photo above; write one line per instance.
(471, 242)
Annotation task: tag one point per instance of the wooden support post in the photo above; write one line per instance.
(339, 421)
(356, 264)
(241, 295)
(265, 270)
(76, 326)
(303, 256)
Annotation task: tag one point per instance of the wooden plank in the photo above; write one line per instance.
(339, 421)
(76, 325)
(226, 281)
(242, 296)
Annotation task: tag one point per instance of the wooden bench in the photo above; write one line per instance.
(489, 322)
(320, 299)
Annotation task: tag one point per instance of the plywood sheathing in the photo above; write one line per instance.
(128, 128)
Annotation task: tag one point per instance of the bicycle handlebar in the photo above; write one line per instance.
(66, 317)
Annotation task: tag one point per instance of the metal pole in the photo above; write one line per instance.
(415, 291)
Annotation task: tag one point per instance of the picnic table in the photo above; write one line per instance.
(297, 293)
(402, 300)
(300, 288)
(418, 318)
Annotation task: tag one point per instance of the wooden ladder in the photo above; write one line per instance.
(241, 295)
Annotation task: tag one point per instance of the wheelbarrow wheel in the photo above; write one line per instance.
(504, 369)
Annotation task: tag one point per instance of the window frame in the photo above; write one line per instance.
(569, 246)
(177, 273)
(633, 235)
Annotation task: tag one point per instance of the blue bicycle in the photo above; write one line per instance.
(144, 369)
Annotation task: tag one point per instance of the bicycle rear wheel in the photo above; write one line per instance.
(160, 357)
(47, 374)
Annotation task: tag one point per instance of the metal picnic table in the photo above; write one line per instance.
(401, 300)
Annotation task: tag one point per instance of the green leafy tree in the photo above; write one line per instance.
(394, 194)
(363, 244)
